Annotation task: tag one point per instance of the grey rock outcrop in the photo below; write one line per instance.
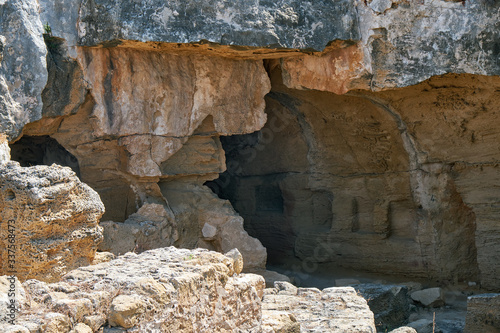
(23, 70)
(432, 297)
(149, 228)
(285, 23)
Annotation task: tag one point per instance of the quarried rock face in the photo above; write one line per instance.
(162, 290)
(371, 181)
(49, 221)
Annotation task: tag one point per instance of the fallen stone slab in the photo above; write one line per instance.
(431, 297)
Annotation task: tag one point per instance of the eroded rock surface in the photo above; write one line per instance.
(145, 134)
(327, 310)
(23, 70)
(162, 290)
(49, 221)
(387, 182)
(408, 175)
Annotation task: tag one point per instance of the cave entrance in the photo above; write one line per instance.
(42, 150)
(265, 179)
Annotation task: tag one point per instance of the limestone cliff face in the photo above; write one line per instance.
(389, 182)
(342, 139)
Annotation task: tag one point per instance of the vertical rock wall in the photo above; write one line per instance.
(389, 182)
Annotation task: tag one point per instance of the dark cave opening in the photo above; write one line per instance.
(42, 150)
(262, 193)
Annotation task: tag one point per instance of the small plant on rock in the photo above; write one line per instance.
(47, 29)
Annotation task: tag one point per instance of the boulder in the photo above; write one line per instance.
(237, 260)
(483, 313)
(329, 310)
(103, 257)
(431, 297)
(51, 221)
(150, 227)
(390, 304)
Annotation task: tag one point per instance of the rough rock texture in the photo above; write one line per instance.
(329, 310)
(66, 89)
(288, 23)
(150, 227)
(162, 290)
(400, 42)
(23, 70)
(148, 136)
(483, 313)
(405, 175)
(49, 221)
(390, 304)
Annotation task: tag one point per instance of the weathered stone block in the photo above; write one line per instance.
(49, 221)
